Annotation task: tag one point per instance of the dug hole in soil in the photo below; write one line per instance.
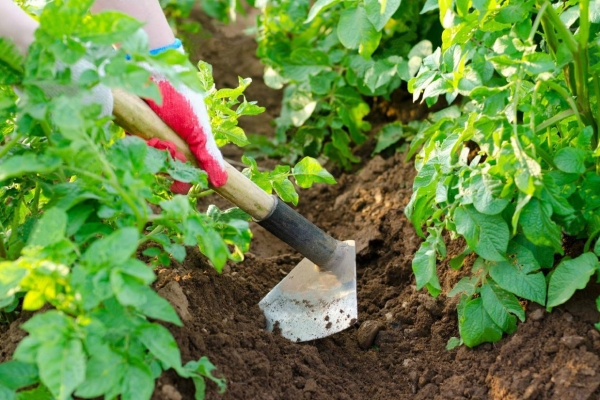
(397, 348)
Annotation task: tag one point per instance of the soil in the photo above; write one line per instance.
(396, 350)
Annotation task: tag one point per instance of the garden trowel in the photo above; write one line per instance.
(318, 297)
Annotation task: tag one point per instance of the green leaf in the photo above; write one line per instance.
(318, 7)
(356, 31)
(486, 194)
(308, 172)
(108, 27)
(204, 368)
(389, 135)
(130, 292)
(379, 13)
(519, 275)
(453, 343)
(104, 371)
(569, 276)
(486, 234)
(49, 229)
(185, 172)
(20, 165)
(11, 63)
(475, 325)
(16, 374)
(139, 382)
(161, 344)
(424, 267)
(500, 305)
(11, 275)
(113, 249)
(430, 5)
(538, 227)
(62, 367)
(286, 190)
(6, 393)
(39, 393)
(571, 160)
(466, 285)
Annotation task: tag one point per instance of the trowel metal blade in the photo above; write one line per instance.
(311, 303)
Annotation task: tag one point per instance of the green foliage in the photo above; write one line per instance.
(513, 167)
(329, 57)
(76, 197)
(306, 172)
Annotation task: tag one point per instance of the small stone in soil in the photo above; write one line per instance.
(537, 314)
(366, 333)
(572, 341)
(310, 386)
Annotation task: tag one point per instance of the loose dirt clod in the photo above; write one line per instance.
(366, 334)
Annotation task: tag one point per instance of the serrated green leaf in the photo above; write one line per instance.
(569, 276)
(476, 326)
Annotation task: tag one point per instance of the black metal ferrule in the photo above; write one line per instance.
(301, 234)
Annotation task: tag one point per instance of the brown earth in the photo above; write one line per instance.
(551, 356)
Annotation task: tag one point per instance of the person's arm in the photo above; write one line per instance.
(16, 24)
(147, 11)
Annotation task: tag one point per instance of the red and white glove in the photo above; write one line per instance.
(184, 111)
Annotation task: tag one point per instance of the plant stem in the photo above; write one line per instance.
(557, 118)
(561, 29)
(568, 98)
(3, 252)
(202, 194)
(11, 143)
(36, 198)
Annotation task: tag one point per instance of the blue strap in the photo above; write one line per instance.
(173, 46)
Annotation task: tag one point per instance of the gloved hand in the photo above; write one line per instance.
(184, 111)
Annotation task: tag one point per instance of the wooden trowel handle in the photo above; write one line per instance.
(137, 118)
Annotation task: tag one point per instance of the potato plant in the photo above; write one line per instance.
(328, 57)
(80, 199)
(513, 166)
